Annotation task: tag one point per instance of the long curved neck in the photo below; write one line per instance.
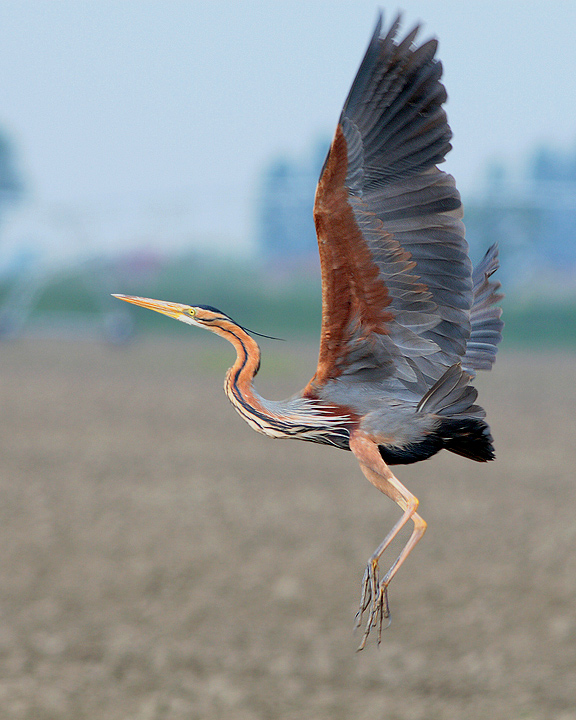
(238, 383)
(298, 417)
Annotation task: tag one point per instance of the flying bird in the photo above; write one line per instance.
(406, 320)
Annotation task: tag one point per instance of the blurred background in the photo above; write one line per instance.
(160, 560)
(174, 149)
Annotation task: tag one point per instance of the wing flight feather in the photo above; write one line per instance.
(397, 282)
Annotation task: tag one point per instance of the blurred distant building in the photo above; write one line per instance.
(534, 221)
(11, 188)
(285, 222)
(554, 195)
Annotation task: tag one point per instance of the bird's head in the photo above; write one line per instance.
(204, 316)
(200, 315)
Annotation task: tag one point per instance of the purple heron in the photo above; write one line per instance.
(406, 320)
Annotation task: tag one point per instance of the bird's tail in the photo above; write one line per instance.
(468, 437)
(462, 427)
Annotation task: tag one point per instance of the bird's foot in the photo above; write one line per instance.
(374, 599)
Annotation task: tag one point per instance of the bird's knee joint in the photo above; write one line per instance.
(420, 525)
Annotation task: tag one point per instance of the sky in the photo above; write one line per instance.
(151, 121)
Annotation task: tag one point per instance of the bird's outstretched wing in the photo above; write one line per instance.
(396, 277)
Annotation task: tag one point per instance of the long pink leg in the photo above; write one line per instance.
(375, 592)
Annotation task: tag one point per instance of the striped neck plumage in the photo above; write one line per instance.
(238, 383)
(298, 417)
(239, 378)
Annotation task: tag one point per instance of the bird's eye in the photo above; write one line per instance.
(191, 311)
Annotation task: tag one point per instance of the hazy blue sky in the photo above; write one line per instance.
(137, 119)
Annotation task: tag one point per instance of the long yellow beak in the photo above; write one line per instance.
(173, 310)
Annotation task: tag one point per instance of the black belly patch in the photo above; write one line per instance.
(414, 452)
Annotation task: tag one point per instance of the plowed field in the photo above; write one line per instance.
(161, 561)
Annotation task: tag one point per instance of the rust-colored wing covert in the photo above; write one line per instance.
(354, 296)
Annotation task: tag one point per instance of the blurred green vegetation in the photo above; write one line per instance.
(539, 322)
(272, 302)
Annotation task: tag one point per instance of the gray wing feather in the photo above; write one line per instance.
(485, 316)
(452, 396)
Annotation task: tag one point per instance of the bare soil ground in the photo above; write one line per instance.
(159, 560)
